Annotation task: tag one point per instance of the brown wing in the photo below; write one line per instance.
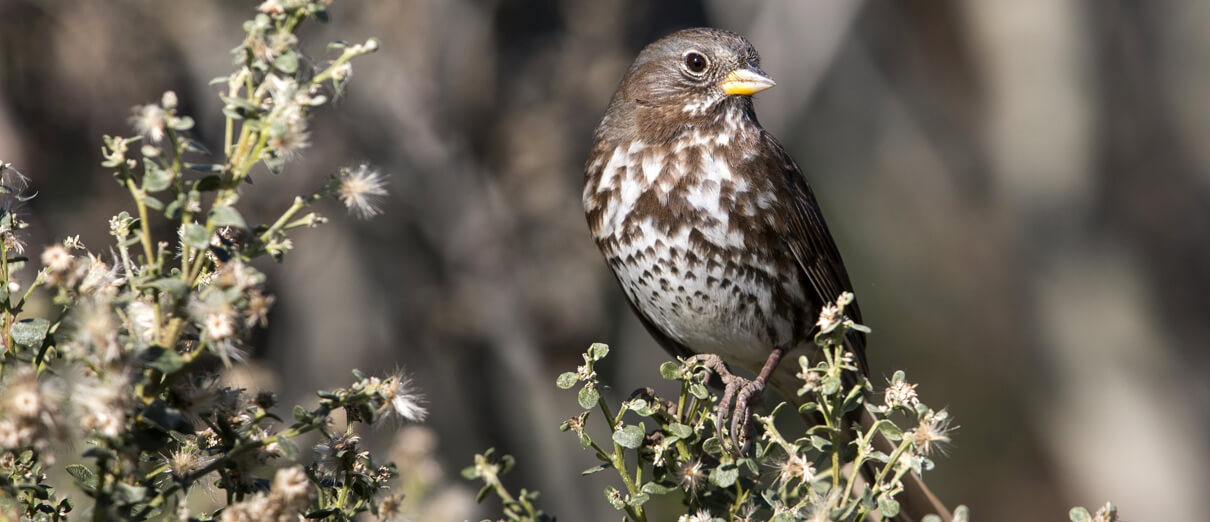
(807, 236)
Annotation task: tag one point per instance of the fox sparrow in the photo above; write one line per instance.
(708, 224)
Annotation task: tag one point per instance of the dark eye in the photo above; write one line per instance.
(695, 62)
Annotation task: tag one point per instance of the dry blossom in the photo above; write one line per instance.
(796, 467)
(361, 190)
(691, 476)
(931, 433)
(151, 121)
(106, 351)
(901, 393)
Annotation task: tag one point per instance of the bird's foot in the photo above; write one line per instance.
(743, 392)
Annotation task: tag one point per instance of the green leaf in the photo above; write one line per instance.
(196, 236)
(155, 178)
(614, 497)
(173, 210)
(274, 163)
(288, 448)
(699, 391)
(681, 431)
(98, 453)
(588, 396)
(506, 463)
(205, 167)
(192, 145)
(152, 203)
(598, 351)
(166, 417)
(670, 371)
(29, 333)
(181, 123)
(162, 359)
(1079, 514)
(725, 475)
(208, 184)
(830, 384)
(225, 216)
(651, 488)
(170, 285)
(890, 430)
(239, 108)
(124, 493)
(629, 437)
(641, 407)
(81, 473)
(639, 500)
(470, 472)
(596, 469)
(567, 380)
(713, 446)
(888, 506)
(286, 62)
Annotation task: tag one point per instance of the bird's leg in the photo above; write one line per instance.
(731, 382)
(744, 391)
(741, 420)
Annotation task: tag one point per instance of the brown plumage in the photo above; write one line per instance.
(708, 224)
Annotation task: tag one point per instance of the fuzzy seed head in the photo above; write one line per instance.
(361, 190)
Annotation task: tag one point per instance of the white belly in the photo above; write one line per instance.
(708, 305)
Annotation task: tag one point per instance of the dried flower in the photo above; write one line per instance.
(361, 190)
(931, 433)
(100, 406)
(336, 455)
(57, 260)
(141, 316)
(404, 399)
(829, 317)
(257, 311)
(95, 327)
(390, 507)
(150, 120)
(796, 467)
(271, 8)
(690, 476)
(95, 277)
(292, 486)
(186, 461)
(700, 516)
(900, 393)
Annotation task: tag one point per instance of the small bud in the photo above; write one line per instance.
(168, 101)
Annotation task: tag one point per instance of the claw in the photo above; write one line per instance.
(744, 392)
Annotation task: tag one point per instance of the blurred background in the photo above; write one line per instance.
(1020, 190)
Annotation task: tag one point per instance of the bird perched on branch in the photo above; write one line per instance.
(708, 224)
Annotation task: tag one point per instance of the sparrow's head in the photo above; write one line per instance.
(687, 74)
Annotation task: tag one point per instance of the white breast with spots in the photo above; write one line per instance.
(693, 295)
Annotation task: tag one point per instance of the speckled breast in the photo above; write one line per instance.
(695, 245)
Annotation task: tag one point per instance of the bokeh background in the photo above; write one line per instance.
(1020, 189)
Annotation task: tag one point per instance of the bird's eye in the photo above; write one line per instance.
(695, 62)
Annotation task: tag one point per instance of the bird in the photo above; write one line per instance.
(707, 223)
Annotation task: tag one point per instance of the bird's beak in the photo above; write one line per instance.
(746, 81)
